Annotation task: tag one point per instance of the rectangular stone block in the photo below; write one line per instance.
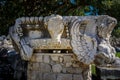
(49, 76)
(77, 77)
(57, 68)
(67, 59)
(34, 66)
(68, 64)
(45, 68)
(38, 75)
(37, 58)
(46, 59)
(73, 70)
(64, 77)
(34, 75)
(55, 58)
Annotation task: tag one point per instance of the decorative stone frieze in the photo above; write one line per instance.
(63, 47)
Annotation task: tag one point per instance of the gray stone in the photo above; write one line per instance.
(46, 58)
(57, 68)
(76, 65)
(44, 67)
(29, 74)
(35, 34)
(77, 77)
(74, 70)
(64, 70)
(49, 76)
(108, 72)
(61, 59)
(67, 59)
(2, 37)
(64, 77)
(39, 76)
(37, 58)
(55, 57)
(52, 62)
(34, 66)
(68, 64)
(29, 67)
(34, 75)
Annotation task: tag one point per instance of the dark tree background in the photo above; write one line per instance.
(12, 9)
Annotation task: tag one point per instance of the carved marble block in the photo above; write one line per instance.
(86, 37)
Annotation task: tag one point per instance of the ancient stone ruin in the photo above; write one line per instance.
(63, 47)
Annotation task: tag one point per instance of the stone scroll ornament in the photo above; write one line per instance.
(89, 36)
(90, 39)
(20, 39)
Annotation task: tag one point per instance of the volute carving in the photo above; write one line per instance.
(88, 37)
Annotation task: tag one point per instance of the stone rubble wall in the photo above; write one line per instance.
(57, 67)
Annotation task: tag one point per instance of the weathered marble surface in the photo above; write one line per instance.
(90, 37)
(87, 37)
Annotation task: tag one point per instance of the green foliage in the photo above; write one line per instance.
(116, 33)
(93, 69)
(9, 11)
(12, 9)
(118, 54)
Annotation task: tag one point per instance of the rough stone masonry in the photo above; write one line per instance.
(62, 47)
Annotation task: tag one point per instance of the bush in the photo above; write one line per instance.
(116, 33)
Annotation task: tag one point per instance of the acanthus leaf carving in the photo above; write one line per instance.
(89, 35)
